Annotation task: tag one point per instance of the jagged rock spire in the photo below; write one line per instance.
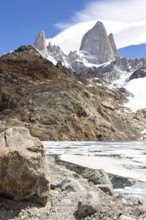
(40, 41)
(97, 43)
(40, 44)
(113, 45)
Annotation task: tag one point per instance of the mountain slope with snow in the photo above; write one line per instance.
(92, 44)
(138, 89)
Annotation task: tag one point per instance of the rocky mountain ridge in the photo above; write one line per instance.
(55, 104)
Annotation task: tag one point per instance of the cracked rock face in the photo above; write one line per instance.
(23, 174)
(113, 45)
(97, 43)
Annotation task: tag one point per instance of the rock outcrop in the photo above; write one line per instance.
(23, 171)
(71, 185)
(58, 55)
(100, 179)
(97, 43)
(92, 203)
(139, 73)
(88, 205)
(113, 45)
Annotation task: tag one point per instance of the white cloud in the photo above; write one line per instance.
(113, 10)
(126, 19)
(62, 26)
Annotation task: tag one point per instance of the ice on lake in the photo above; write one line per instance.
(126, 159)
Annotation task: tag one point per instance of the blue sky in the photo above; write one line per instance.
(21, 20)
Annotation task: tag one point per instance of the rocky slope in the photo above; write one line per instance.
(58, 105)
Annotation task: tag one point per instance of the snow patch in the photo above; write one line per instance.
(50, 58)
(138, 88)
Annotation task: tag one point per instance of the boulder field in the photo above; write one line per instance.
(67, 194)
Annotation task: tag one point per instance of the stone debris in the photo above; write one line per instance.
(71, 185)
(89, 204)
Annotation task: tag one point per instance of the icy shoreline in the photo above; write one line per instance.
(109, 165)
(125, 159)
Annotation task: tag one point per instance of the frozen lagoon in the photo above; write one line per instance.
(126, 159)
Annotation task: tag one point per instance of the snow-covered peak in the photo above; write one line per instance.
(96, 52)
(125, 34)
(95, 49)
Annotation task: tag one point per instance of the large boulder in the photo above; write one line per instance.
(100, 178)
(96, 176)
(23, 170)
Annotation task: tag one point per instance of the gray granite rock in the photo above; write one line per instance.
(40, 44)
(113, 45)
(23, 171)
(89, 204)
(97, 176)
(107, 188)
(97, 43)
(57, 54)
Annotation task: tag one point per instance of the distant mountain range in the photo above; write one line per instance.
(96, 53)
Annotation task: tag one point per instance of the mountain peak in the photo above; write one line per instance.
(113, 44)
(40, 43)
(97, 43)
(99, 24)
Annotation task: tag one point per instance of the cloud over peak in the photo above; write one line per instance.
(126, 19)
(114, 10)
